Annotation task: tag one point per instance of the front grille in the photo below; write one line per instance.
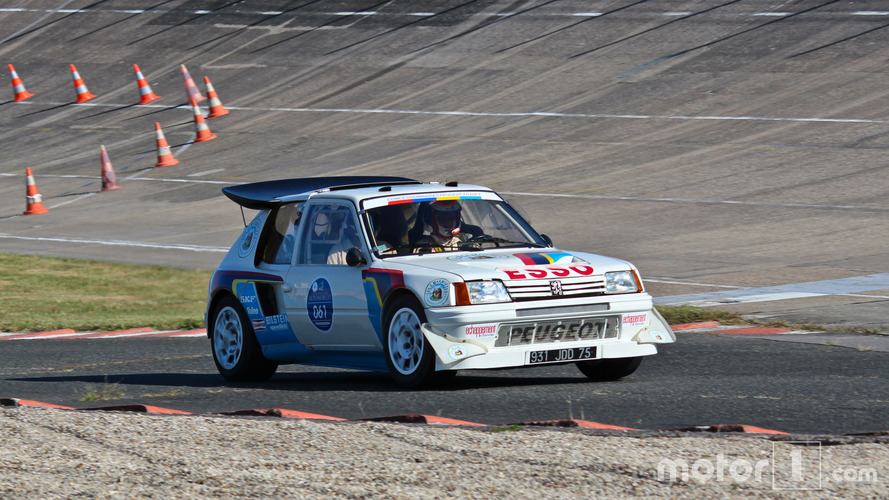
(545, 332)
(540, 289)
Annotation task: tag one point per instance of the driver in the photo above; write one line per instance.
(443, 226)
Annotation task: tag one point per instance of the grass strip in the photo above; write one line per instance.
(49, 293)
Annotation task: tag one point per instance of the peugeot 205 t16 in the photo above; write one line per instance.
(419, 280)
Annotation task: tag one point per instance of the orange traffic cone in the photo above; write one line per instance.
(164, 155)
(191, 90)
(201, 128)
(83, 93)
(216, 107)
(109, 180)
(145, 93)
(21, 93)
(34, 200)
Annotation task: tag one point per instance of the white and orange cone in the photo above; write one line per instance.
(83, 93)
(21, 93)
(216, 107)
(200, 125)
(34, 200)
(146, 95)
(191, 90)
(164, 155)
(109, 180)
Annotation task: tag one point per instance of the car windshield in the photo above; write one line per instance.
(448, 225)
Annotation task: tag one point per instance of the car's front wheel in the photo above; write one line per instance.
(236, 352)
(609, 369)
(410, 359)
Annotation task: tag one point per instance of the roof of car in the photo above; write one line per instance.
(267, 194)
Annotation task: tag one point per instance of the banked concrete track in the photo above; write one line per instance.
(718, 145)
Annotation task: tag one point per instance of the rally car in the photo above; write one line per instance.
(419, 280)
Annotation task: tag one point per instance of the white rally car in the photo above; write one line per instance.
(417, 279)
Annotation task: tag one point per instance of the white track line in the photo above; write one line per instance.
(119, 243)
(844, 286)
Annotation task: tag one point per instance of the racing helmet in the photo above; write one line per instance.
(444, 218)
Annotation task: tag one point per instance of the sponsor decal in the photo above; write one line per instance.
(319, 304)
(481, 331)
(548, 272)
(558, 331)
(273, 329)
(457, 352)
(437, 292)
(635, 319)
(475, 256)
(249, 239)
(378, 283)
(539, 258)
(398, 200)
(659, 336)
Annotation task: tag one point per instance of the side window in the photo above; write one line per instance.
(281, 240)
(331, 230)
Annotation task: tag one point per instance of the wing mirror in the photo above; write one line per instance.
(546, 239)
(355, 258)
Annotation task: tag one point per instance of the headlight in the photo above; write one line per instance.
(621, 282)
(480, 292)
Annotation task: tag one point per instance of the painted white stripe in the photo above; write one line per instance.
(516, 114)
(393, 14)
(698, 202)
(843, 286)
(688, 283)
(205, 172)
(119, 243)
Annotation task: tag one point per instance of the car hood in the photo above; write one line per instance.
(516, 263)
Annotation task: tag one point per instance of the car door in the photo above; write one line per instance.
(324, 298)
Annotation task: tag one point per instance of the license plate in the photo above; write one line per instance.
(561, 355)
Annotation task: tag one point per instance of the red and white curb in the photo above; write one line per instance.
(425, 420)
(716, 327)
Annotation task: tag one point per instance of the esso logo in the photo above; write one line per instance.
(548, 272)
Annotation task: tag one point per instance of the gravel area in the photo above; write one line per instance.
(50, 453)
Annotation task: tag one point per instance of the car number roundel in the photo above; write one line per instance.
(319, 304)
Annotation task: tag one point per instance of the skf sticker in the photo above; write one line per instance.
(640, 319)
(457, 352)
(249, 239)
(319, 304)
(437, 292)
(548, 272)
(481, 331)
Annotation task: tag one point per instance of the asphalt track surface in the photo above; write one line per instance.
(706, 380)
(733, 150)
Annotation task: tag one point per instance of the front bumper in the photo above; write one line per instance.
(503, 335)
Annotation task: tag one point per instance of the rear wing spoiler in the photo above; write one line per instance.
(268, 194)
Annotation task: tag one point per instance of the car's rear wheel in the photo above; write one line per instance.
(236, 352)
(609, 369)
(410, 359)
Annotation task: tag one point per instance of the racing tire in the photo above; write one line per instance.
(609, 369)
(236, 352)
(410, 358)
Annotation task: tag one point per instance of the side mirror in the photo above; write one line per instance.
(355, 258)
(547, 240)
